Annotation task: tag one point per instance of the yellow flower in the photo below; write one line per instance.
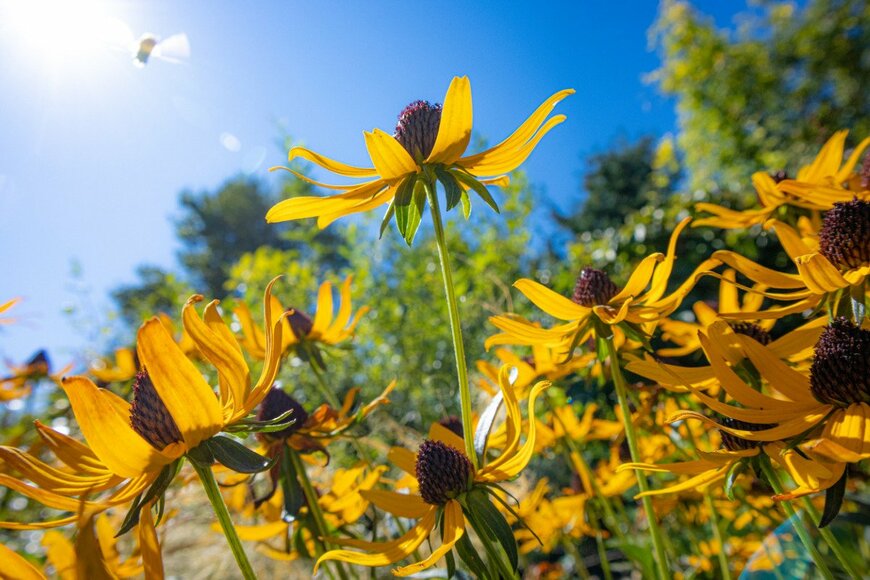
(123, 368)
(326, 328)
(817, 187)
(430, 142)
(6, 306)
(642, 302)
(443, 477)
(543, 363)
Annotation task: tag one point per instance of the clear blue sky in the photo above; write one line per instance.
(94, 151)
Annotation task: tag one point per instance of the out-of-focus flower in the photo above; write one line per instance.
(299, 330)
(429, 143)
(123, 368)
(6, 306)
(818, 187)
(597, 300)
(544, 363)
(446, 487)
(20, 382)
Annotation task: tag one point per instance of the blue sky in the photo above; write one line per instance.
(94, 151)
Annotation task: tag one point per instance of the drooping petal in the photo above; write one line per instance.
(399, 504)
(454, 527)
(380, 198)
(404, 459)
(384, 553)
(74, 454)
(699, 483)
(549, 301)
(308, 206)
(324, 313)
(391, 160)
(780, 376)
(758, 272)
(331, 164)
(149, 546)
(108, 432)
(17, 567)
(454, 132)
(188, 398)
(506, 160)
(819, 274)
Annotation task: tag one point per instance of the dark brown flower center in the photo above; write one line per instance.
(149, 416)
(275, 404)
(751, 330)
(418, 127)
(780, 175)
(845, 235)
(300, 323)
(840, 373)
(735, 443)
(453, 423)
(442, 472)
(593, 288)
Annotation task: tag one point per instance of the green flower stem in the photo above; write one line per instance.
(312, 503)
(602, 556)
(717, 535)
(831, 540)
(622, 395)
(332, 399)
(220, 509)
(455, 323)
(579, 563)
(799, 525)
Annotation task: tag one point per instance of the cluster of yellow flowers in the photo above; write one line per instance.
(785, 392)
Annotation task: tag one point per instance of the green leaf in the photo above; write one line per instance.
(478, 187)
(484, 424)
(201, 455)
(494, 523)
(833, 501)
(452, 189)
(468, 554)
(157, 489)
(403, 205)
(232, 454)
(391, 210)
(731, 476)
(294, 495)
(466, 205)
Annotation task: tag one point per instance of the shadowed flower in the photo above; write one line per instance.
(444, 481)
(429, 142)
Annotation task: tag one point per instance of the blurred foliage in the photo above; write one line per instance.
(157, 290)
(768, 94)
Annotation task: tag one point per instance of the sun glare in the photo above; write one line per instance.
(64, 33)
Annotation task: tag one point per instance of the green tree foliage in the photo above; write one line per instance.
(618, 182)
(766, 95)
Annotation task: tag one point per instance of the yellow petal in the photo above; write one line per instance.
(639, 278)
(380, 198)
(819, 274)
(454, 527)
(758, 272)
(108, 432)
(506, 160)
(307, 179)
(313, 206)
(16, 567)
(323, 316)
(404, 459)
(76, 455)
(331, 164)
(698, 483)
(385, 553)
(188, 398)
(399, 504)
(827, 162)
(389, 157)
(845, 171)
(781, 377)
(149, 546)
(61, 554)
(454, 132)
(550, 302)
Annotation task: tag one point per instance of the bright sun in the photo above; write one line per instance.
(63, 32)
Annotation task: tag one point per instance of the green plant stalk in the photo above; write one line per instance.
(799, 525)
(602, 556)
(313, 505)
(220, 510)
(717, 535)
(661, 558)
(831, 540)
(579, 564)
(455, 323)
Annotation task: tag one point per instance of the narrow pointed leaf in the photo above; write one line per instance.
(452, 189)
(833, 501)
(232, 454)
(478, 187)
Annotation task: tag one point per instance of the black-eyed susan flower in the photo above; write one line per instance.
(429, 143)
(818, 186)
(598, 300)
(449, 492)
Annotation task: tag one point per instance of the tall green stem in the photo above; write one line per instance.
(717, 535)
(799, 525)
(622, 395)
(220, 510)
(455, 323)
(311, 500)
(831, 540)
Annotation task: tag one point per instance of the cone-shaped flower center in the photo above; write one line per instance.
(276, 403)
(752, 330)
(453, 423)
(443, 472)
(735, 443)
(593, 288)
(840, 373)
(300, 323)
(149, 416)
(418, 127)
(845, 235)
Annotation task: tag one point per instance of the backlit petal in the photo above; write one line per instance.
(331, 164)
(454, 132)
(391, 159)
(454, 527)
(550, 302)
